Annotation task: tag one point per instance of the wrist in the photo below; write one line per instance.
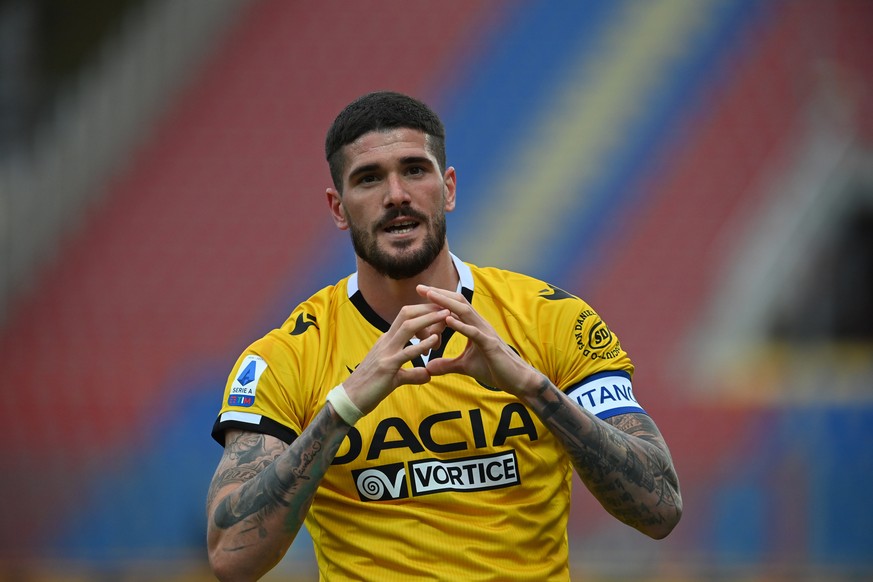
(343, 405)
(533, 386)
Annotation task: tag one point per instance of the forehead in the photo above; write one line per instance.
(376, 146)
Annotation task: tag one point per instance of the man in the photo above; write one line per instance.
(423, 416)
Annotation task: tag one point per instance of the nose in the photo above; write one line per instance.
(396, 194)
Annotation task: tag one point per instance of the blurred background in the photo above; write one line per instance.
(701, 171)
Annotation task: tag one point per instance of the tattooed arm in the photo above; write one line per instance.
(261, 492)
(623, 461)
(262, 488)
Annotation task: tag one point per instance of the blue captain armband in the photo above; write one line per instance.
(606, 394)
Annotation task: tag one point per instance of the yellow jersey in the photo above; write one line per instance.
(450, 480)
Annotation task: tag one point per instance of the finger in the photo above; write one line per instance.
(413, 376)
(436, 328)
(443, 366)
(412, 312)
(470, 331)
(414, 350)
(442, 297)
(455, 302)
(407, 327)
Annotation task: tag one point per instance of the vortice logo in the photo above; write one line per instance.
(430, 476)
(381, 483)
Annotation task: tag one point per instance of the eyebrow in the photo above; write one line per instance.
(405, 161)
(362, 170)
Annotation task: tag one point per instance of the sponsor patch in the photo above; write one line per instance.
(381, 483)
(606, 394)
(245, 385)
(429, 476)
(469, 474)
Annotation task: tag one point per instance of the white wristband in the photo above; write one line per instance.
(344, 405)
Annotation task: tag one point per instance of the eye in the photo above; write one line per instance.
(415, 170)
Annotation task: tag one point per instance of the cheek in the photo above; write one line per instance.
(351, 216)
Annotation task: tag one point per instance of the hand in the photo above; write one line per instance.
(381, 370)
(486, 358)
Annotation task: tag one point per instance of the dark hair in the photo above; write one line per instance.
(380, 111)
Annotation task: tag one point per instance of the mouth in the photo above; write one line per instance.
(402, 226)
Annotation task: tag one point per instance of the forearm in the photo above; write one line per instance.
(251, 527)
(627, 468)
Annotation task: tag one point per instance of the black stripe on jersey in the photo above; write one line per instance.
(265, 426)
(364, 308)
(373, 318)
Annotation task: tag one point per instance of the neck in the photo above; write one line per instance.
(387, 296)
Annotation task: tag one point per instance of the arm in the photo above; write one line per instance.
(261, 492)
(623, 461)
(263, 488)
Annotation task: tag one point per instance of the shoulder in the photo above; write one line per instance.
(319, 307)
(305, 323)
(515, 290)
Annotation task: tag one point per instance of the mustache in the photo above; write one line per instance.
(394, 213)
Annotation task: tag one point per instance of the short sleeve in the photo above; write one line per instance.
(593, 368)
(255, 397)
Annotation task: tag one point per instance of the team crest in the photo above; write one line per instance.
(593, 338)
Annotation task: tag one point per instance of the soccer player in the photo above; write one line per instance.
(423, 416)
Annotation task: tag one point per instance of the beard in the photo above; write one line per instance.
(403, 263)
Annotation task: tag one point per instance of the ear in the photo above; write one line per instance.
(337, 212)
(450, 179)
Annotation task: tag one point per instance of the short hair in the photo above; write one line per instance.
(380, 111)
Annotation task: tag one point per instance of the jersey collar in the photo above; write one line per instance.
(465, 288)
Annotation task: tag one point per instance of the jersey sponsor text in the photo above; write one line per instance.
(429, 476)
(469, 474)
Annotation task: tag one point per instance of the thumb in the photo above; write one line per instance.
(413, 376)
(443, 366)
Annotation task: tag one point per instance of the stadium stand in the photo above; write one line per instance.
(199, 222)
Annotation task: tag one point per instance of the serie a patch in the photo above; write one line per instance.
(245, 385)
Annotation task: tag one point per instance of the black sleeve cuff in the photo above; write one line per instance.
(265, 426)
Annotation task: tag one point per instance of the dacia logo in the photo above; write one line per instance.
(394, 433)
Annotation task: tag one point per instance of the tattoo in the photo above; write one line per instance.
(623, 461)
(267, 494)
(552, 406)
(273, 477)
(245, 455)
